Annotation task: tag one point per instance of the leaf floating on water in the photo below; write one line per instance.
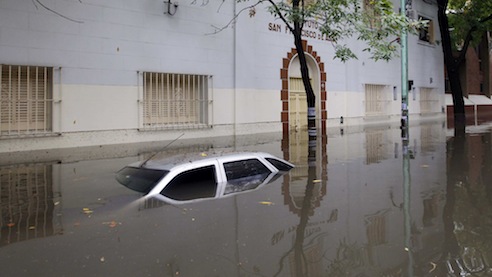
(112, 224)
(203, 154)
(424, 166)
(434, 266)
(268, 203)
(87, 211)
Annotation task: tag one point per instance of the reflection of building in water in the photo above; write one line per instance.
(375, 147)
(166, 152)
(429, 135)
(295, 148)
(27, 203)
(310, 262)
(376, 229)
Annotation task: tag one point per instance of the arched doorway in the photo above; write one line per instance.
(297, 94)
(293, 90)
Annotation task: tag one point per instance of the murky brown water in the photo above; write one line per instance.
(363, 208)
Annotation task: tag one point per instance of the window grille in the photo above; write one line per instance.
(25, 100)
(428, 100)
(175, 100)
(376, 99)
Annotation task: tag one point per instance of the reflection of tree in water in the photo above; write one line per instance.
(304, 257)
(467, 215)
(348, 257)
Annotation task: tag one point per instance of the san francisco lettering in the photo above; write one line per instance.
(310, 30)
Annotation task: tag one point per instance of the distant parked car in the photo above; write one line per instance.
(196, 176)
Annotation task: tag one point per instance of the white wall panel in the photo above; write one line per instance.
(90, 108)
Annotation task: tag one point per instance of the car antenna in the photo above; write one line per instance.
(153, 155)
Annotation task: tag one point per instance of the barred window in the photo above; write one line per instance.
(25, 100)
(377, 99)
(175, 100)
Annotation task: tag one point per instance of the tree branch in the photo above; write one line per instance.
(220, 29)
(281, 16)
(486, 19)
(469, 38)
(55, 12)
(466, 44)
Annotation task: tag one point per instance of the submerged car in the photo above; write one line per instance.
(202, 175)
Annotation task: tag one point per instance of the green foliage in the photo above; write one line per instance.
(469, 19)
(376, 23)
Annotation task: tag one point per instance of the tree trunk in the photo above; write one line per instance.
(311, 98)
(452, 65)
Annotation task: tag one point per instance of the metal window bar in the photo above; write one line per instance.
(175, 101)
(376, 99)
(25, 100)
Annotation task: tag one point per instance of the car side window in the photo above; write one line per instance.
(279, 164)
(244, 175)
(244, 168)
(192, 184)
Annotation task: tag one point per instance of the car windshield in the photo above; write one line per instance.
(140, 179)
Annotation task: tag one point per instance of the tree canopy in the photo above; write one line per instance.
(468, 20)
(462, 23)
(374, 22)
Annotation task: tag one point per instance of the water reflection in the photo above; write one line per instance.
(347, 213)
(467, 249)
(29, 202)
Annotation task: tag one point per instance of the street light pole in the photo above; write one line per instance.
(405, 7)
(404, 75)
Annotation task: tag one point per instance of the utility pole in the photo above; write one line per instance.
(406, 6)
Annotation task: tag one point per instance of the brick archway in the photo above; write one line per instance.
(284, 94)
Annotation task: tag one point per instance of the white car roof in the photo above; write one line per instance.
(169, 163)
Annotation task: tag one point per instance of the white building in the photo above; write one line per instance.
(97, 72)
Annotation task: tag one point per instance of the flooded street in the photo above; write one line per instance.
(360, 206)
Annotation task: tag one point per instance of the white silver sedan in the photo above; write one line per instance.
(202, 175)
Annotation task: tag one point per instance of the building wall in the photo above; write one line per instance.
(101, 48)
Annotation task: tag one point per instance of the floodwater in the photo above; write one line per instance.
(363, 205)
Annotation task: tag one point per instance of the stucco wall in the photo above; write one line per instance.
(99, 53)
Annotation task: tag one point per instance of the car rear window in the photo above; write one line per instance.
(279, 164)
(140, 179)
